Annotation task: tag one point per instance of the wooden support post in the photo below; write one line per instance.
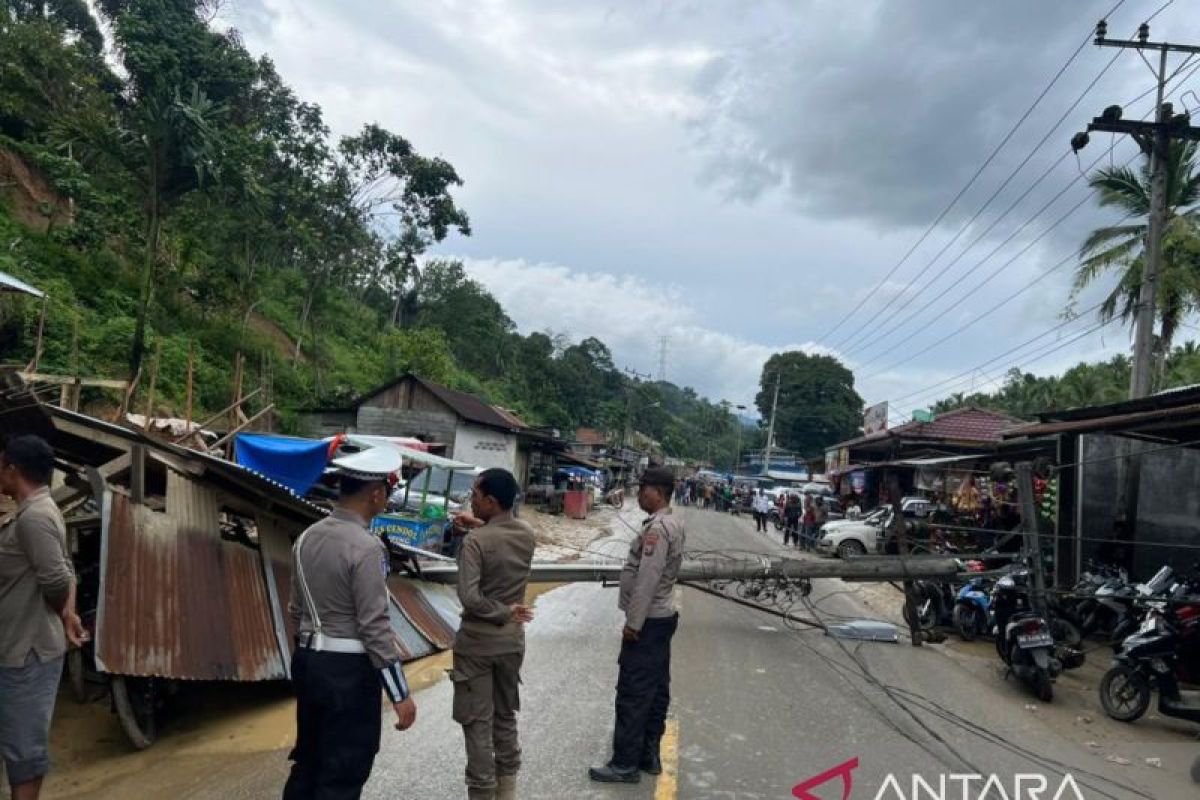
(221, 413)
(137, 473)
(236, 407)
(153, 385)
(190, 373)
(37, 347)
(1033, 543)
(901, 530)
(129, 390)
(241, 426)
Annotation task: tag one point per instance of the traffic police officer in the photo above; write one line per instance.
(345, 647)
(648, 599)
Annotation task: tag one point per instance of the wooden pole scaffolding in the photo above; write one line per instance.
(191, 370)
(37, 348)
(153, 385)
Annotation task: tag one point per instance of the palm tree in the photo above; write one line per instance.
(1122, 247)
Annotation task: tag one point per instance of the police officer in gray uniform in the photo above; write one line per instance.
(346, 649)
(648, 600)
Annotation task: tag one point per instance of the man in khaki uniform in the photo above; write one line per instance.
(648, 600)
(493, 571)
(346, 650)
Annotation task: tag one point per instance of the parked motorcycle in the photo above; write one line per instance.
(933, 604)
(973, 609)
(1024, 637)
(1163, 652)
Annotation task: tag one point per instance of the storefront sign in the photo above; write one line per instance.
(875, 418)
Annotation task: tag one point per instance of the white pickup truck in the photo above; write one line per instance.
(845, 538)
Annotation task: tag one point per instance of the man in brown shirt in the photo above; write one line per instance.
(493, 571)
(37, 613)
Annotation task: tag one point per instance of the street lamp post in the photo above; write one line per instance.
(737, 459)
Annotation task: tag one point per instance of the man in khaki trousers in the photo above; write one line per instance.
(493, 571)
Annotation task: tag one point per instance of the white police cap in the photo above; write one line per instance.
(373, 464)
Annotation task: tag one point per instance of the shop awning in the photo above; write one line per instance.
(575, 458)
(933, 461)
(407, 453)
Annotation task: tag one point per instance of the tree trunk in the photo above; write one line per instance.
(148, 264)
(304, 312)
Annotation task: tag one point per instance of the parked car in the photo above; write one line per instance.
(846, 538)
(460, 491)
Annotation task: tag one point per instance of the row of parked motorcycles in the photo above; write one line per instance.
(1152, 627)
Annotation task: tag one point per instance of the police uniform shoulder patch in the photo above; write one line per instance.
(649, 542)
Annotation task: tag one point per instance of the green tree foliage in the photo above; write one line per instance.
(1024, 394)
(817, 401)
(212, 211)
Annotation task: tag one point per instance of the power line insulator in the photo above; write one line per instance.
(1079, 141)
(1101, 29)
(1112, 114)
(1143, 32)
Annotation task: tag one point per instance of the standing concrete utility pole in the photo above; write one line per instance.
(737, 458)
(1154, 138)
(1032, 539)
(771, 429)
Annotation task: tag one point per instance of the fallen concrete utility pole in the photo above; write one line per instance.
(866, 568)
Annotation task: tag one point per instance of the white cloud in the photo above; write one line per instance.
(630, 316)
(587, 135)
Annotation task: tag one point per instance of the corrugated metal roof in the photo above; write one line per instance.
(422, 613)
(412, 644)
(177, 601)
(968, 424)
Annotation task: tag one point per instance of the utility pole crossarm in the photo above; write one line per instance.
(1165, 47)
(1144, 132)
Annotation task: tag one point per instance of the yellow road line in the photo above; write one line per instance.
(668, 782)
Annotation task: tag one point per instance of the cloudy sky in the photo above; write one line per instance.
(738, 177)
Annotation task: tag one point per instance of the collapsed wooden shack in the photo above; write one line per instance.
(184, 562)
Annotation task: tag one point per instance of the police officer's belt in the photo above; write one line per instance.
(316, 640)
(329, 644)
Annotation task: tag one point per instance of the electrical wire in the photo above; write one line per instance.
(870, 340)
(1177, 87)
(979, 318)
(1029, 156)
(1030, 358)
(1012, 236)
(971, 182)
(980, 366)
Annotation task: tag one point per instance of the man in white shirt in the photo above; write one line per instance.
(762, 510)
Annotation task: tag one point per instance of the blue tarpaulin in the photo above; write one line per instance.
(295, 463)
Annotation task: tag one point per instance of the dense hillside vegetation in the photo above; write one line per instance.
(173, 193)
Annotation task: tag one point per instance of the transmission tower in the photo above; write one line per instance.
(663, 342)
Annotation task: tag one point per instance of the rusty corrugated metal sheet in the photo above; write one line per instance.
(417, 608)
(412, 644)
(444, 600)
(277, 554)
(179, 602)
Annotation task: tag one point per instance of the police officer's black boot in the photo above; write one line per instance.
(611, 773)
(651, 764)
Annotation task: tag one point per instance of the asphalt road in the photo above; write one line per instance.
(759, 708)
